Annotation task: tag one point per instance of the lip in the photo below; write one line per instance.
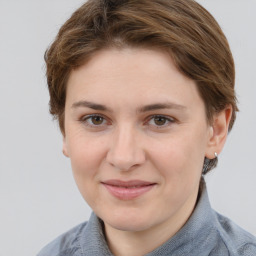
(128, 190)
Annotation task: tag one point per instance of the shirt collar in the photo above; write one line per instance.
(192, 236)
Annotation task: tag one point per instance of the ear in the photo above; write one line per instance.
(219, 132)
(64, 147)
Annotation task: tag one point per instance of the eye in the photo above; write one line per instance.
(94, 120)
(160, 121)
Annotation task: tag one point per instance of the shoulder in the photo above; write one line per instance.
(66, 244)
(236, 240)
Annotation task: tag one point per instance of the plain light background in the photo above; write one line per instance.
(38, 197)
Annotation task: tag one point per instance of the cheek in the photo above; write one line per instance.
(86, 156)
(179, 156)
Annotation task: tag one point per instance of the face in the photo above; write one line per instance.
(136, 133)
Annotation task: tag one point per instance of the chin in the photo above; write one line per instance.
(127, 222)
(131, 226)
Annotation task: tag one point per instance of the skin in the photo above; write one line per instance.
(125, 141)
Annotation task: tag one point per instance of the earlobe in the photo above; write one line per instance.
(219, 131)
(64, 148)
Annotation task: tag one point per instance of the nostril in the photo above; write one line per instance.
(125, 161)
(125, 152)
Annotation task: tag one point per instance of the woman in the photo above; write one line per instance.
(144, 95)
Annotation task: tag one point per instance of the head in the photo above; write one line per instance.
(108, 64)
(183, 29)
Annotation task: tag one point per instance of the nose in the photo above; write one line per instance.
(125, 151)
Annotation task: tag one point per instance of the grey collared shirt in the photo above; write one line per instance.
(206, 233)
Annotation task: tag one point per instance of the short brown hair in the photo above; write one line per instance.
(183, 28)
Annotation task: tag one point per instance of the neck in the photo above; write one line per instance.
(130, 243)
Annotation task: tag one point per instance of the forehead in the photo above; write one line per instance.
(129, 75)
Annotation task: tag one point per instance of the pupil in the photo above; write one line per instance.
(97, 120)
(160, 120)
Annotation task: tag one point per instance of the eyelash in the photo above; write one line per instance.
(167, 121)
(87, 120)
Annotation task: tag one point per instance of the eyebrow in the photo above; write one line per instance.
(157, 106)
(88, 104)
(150, 107)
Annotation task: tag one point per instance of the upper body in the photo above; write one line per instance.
(206, 233)
(144, 95)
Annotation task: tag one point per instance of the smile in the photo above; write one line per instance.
(127, 190)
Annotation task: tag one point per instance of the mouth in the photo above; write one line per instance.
(127, 190)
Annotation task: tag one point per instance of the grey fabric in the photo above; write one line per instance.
(206, 233)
